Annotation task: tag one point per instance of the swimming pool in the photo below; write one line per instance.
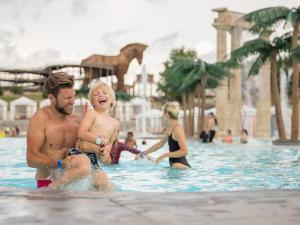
(254, 166)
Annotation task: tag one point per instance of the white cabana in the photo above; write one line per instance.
(153, 119)
(22, 108)
(3, 110)
(127, 111)
(81, 105)
(44, 102)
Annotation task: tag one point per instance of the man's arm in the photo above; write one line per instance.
(35, 142)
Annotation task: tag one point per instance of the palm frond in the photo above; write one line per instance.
(249, 48)
(293, 16)
(258, 63)
(267, 18)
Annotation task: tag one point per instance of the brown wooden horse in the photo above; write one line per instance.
(119, 62)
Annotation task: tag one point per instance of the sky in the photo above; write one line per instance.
(34, 33)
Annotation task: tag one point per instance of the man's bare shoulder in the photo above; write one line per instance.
(42, 114)
(75, 117)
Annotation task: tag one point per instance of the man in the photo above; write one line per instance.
(52, 131)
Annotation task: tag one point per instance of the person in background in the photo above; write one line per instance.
(17, 129)
(117, 148)
(228, 137)
(130, 141)
(212, 126)
(204, 135)
(175, 136)
(244, 136)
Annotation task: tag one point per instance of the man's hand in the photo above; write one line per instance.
(83, 145)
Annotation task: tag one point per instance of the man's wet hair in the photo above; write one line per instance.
(57, 81)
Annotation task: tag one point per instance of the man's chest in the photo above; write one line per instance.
(61, 134)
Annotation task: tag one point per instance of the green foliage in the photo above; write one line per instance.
(83, 91)
(17, 90)
(172, 77)
(44, 94)
(261, 50)
(1, 91)
(184, 72)
(266, 19)
(123, 96)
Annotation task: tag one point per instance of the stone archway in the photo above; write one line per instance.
(229, 94)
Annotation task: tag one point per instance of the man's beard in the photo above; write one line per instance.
(61, 110)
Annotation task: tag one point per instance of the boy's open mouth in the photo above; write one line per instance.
(102, 101)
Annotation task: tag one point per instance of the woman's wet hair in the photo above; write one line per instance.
(57, 81)
(172, 109)
(106, 87)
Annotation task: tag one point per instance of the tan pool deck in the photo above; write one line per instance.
(19, 206)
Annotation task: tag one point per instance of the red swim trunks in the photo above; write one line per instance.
(43, 183)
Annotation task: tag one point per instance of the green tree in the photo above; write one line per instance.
(16, 90)
(200, 76)
(270, 18)
(263, 51)
(123, 96)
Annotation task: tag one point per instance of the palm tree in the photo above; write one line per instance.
(83, 91)
(264, 50)
(268, 18)
(171, 81)
(200, 76)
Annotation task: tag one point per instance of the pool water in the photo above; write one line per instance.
(220, 167)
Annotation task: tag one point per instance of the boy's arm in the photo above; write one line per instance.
(83, 131)
(35, 142)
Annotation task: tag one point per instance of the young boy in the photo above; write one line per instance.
(98, 127)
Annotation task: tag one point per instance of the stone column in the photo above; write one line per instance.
(222, 90)
(263, 105)
(234, 89)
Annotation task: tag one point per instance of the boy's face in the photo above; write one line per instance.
(101, 98)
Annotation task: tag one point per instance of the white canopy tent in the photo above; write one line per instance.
(126, 111)
(3, 110)
(153, 121)
(22, 108)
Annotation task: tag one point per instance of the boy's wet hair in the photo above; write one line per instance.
(103, 85)
(57, 81)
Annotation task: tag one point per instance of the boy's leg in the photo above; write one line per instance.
(80, 167)
(101, 180)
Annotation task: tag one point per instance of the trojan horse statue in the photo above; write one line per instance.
(119, 63)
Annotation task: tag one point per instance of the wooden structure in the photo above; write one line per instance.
(95, 66)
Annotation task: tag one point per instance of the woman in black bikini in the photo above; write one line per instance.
(174, 135)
